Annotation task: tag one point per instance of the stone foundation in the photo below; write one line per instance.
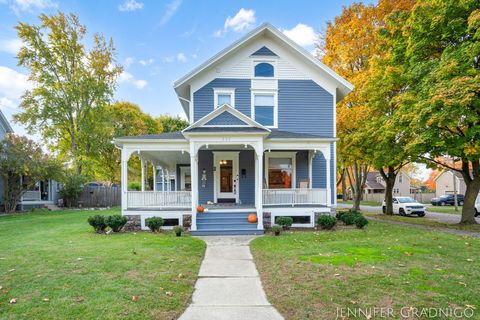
(134, 223)
(267, 219)
(187, 221)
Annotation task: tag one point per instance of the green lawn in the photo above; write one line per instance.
(449, 209)
(425, 222)
(364, 203)
(84, 275)
(307, 275)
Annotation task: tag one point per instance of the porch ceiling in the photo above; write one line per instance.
(166, 159)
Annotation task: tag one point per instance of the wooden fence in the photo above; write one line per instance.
(101, 197)
(420, 197)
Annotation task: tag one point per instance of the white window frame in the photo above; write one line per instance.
(291, 155)
(275, 104)
(273, 62)
(223, 91)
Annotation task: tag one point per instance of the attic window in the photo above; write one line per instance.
(224, 96)
(264, 69)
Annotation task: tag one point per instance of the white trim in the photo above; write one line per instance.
(285, 154)
(296, 211)
(223, 91)
(226, 155)
(256, 60)
(254, 92)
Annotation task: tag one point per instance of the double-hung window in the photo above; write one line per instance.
(264, 109)
(224, 96)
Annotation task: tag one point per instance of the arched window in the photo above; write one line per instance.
(264, 70)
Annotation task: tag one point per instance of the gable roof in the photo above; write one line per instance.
(456, 173)
(264, 51)
(181, 85)
(4, 123)
(371, 181)
(235, 117)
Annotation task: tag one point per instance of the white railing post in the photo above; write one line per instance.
(194, 183)
(124, 178)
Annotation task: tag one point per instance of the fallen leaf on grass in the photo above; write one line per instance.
(78, 299)
(79, 259)
(46, 299)
(408, 253)
(135, 298)
(470, 260)
(180, 275)
(463, 284)
(401, 265)
(353, 302)
(11, 270)
(470, 306)
(161, 289)
(12, 301)
(169, 293)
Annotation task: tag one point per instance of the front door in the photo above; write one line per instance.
(226, 177)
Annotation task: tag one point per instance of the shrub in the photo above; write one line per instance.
(326, 222)
(154, 223)
(361, 222)
(339, 214)
(98, 223)
(349, 218)
(72, 188)
(276, 229)
(178, 230)
(134, 186)
(285, 222)
(116, 222)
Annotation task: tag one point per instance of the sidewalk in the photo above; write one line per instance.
(228, 285)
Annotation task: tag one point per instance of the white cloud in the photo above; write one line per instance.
(13, 83)
(168, 59)
(11, 46)
(172, 8)
(302, 34)
(182, 57)
(127, 77)
(130, 5)
(29, 5)
(8, 103)
(129, 61)
(146, 62)
(238, 23)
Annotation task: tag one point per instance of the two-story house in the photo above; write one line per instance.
(261, 140)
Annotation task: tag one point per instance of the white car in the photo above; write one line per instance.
(477, 206)
(406, 206)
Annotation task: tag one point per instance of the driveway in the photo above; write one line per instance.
(434, 216)
(228, 285)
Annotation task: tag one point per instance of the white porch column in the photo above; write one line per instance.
(142, 164)
(154, 178)
(124, 178)
(328, 156)
(259, 198)
(194, 182)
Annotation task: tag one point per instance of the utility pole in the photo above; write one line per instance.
(454, 186)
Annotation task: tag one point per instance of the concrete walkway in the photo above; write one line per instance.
(228, 285)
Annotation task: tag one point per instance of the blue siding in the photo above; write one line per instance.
(304, 107)
(203, 98)
(301, 167)
(205, 161)
(264, 51)
(247, 183)
(227, 119)
(319, 171)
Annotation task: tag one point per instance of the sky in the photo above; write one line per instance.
(157, 42)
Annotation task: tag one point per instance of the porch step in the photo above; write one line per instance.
(210, 232)
(222, 222)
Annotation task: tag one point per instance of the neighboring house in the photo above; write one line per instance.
(444, 183)
(261, 140)
(376, 184)
(44, 192)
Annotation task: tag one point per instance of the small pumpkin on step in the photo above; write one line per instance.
(252, 218)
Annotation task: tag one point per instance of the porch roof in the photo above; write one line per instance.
(275, 134)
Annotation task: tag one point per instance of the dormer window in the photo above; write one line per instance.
(264, 69)
(224, 96)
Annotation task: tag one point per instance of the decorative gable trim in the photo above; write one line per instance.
(226, 119)
(264, 51)
(233, 114)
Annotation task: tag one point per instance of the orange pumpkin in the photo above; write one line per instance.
(200, 209)
(252, 218)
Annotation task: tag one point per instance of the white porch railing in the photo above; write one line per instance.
(159, 199)
(31, 196)
(294, 196)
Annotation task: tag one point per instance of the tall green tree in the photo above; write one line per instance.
(70, 82)
(443, 104)
(22, 165)
(171, 124)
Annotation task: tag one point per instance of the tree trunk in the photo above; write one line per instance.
(471, 177)
(357, 183)
(389, 178)
(344, 187)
